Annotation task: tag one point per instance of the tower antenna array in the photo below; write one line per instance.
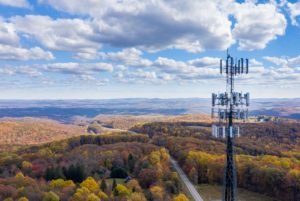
(227, 107)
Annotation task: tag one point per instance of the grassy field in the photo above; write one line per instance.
(214, 193)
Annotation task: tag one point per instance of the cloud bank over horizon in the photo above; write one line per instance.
(133, 48)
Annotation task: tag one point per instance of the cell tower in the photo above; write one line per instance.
(230, 106)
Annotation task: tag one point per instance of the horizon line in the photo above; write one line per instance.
(62, 99)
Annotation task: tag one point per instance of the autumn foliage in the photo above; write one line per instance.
(267, 159)
(83, 168)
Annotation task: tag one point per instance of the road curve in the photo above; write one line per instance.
(186, 181)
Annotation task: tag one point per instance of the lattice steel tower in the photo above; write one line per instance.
(227, 107)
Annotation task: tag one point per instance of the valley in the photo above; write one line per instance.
(46, 151)
(70, 111)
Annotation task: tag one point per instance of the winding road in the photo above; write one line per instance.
(191, 188)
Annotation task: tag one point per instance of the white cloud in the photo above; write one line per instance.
(190, 25)
(205, 61)
(294, 12)
(131, 54)
(138, 76)
(168, 69)
(163, 70)
(8, 52)
(8, 35)
(167, 77)
(137, 26)
(87, 77)
(79, 75)
(92, 7)
(74, 35)
(284, 61)
(102, 82)
(148, 75)
(173, 66)
(23, 70)
(82, 71)
(185, 70)
(86, 56)
(206, 68)
(155, 25)
(10, 48)
(15, 3)
(28, 71)
(129, 57)
(254, 62)
(294, 61)
(277, 60)
(257, 24)
(78, 68)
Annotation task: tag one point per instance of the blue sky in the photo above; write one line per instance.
(62, 49)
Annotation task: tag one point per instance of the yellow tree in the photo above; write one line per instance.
(20, 176)
(84, 194)
(90, 184)
(60, 183)
(50, 196)
(23, 199)
(122, 191)
(157, 192)
(137, 197)
(134, 185)
(8, 199)
(102, 195)
(154, 157)
(26, 167)
(93, 197)
(181, 197)
(164, 155)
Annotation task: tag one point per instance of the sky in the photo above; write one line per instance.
(75, 49)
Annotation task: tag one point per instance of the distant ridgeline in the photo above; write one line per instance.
(66, 114)
(65, 110)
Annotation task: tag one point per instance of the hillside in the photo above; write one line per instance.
(29, 131)
(267, 155)
(128, 121)
(90, 168)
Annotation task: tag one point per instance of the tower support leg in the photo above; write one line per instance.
(230, 174)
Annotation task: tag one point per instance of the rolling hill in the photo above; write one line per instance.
(29, 131)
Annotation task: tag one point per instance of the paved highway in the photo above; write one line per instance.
(186, 181)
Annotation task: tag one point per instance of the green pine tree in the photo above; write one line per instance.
(131, 163)
(103, 185)
(114, 184)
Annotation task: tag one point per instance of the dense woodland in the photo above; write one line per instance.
(135, 166)
(29, 131)
(267, 155)
(90, 168)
